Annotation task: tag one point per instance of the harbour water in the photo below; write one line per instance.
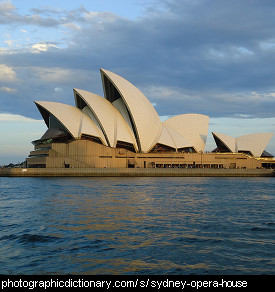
(143, 225)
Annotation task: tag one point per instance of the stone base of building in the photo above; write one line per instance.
(134, 172)
(85, 154)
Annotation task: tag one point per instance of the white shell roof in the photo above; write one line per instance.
(108, 118)
(146, 121)
(73, 119)
(229, 141)
(121, 107)
(123, 132)
(255, 143)
(166, 139)
(192, 127)
(171, 138)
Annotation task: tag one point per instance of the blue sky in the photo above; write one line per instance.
(213, 57)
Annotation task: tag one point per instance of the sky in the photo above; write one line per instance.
(212, 57)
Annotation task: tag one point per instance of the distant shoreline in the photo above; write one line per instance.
(134, 172)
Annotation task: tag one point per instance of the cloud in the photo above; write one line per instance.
(8, 89)
(42, 47)
(162, 92)
(211, 57)
(6, 7)
(16, 118)
(9, 14)
(41, 17)
(58, 75)
(4, 51)
(9, 42)
(58, 89)
(7, 73)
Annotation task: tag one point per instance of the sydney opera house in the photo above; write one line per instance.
(123, 130)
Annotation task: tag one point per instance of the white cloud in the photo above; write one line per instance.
(72, 26)
(9, 42)
(8, 89)
(268, 45)
(42, 47)
(207, 68)
(100, 17)
(58, 90)
(16, 118)
(7, 73)
(163, 92)
(256, 96)
(243, 116)
(60, 75)
(3, 51)
(52, 74)
(6, 6)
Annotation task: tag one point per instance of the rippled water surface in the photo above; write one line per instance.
(137, 225)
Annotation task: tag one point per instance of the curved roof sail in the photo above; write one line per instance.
(192, 127)
(226, 141)
(166, 138)
(104, 114)
(171, 138)
(72, 118)
(255, 143)
(144, 119)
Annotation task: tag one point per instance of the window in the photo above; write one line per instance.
(125, 145)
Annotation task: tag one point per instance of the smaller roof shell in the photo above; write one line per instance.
(103, 112)
(255, 143)
(108, 117)
(192, 127)
(166, 138)
(228, 141)
(171, 138)
(72, 119)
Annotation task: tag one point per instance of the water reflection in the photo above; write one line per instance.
(139, 225)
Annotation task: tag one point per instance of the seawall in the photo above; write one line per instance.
(134, 172)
